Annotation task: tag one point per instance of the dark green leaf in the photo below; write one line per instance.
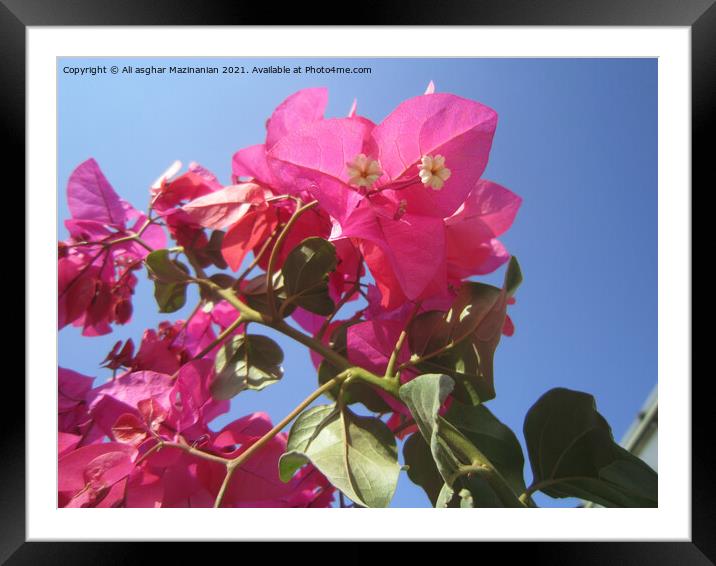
(495, 440)
(459, 461)
(428, 332)
(424, 396)
(246, 362)
(213, 249)
(222, 280)
(462, 342)
(357, 454)
(573, 454)
(164, 269)
(462, 363)
(475, 302)
(306, 271)
(255, 293)
(422, 470)
(469, 491)
(513, 276)
(170, 297)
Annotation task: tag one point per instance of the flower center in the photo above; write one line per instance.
(433, 172)
(363, 171)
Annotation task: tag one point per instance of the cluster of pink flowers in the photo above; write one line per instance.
(404, 198)
(124, 443)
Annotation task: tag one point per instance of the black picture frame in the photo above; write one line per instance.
(699, 15)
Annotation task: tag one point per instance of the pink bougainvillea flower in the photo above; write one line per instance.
(249, 233)
(370, 345)
(392, 187)
(87, 475)
(168, 191)
(172, 478)
(122, 395)
(183, 398)
(256, 483)
(224, 207)
(95, 279)
(471, 232)
(73, 411)
(299, 109)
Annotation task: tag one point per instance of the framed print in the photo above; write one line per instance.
(418, 267)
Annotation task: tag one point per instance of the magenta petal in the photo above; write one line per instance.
(491, 204)
(325, 146)
(153, 235)
(122, 395)
(87, 230)
(314, 159)
(76, 466)
(73, 387)
(458, 129)
(244, 430)
(299, 109)
(414, 246)
(251, 163)
(371, 343)
(66, 442)
(224, 207)
(91, 197)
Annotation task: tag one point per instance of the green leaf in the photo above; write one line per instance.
(462, 363)
(246, 362)
(461, 463)
(422, 470)
(170, 297)
(573, 454)
(164, 269)
(469, 492)
(222, 280)
(469, 334)
(212, 250)
(478, 307)
(306, 271)
(357, 454)
(424, 396)
(513, 276)
(494, 439)
(255, 293)
(445, 497)
(428, 332)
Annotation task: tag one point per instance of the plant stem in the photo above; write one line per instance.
(389, 385)
(254, 263)
(390, 369)
(221, 337)
(249, 314)
(497, 483)
(232, 465)
(275, 251)
(196, 452)
(319, 347)
(344, 299)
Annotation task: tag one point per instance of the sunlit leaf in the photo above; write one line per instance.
(357, 454)
(246, 362)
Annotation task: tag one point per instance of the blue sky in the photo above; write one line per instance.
(576, 139)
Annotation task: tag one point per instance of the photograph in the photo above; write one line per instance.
(436, 271)
(344, 282)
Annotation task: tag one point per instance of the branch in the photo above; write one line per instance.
(220, 338)
(274, 254)
(390, 369)
(233, 465)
